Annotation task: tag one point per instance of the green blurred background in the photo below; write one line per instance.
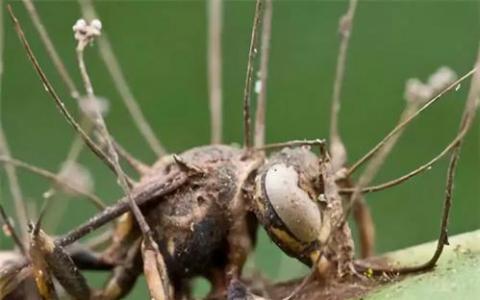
(162, 49)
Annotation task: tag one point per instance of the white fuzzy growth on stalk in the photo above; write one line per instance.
(90, 106)
(418, 92)
(442, 78)
(6, 229)
(77, 176)
(258, 86)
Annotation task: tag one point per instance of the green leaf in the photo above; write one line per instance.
(457, 275)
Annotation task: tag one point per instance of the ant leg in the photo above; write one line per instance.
(443, 237)
(87, 259)
(240, 244)
(125, 233)
(48, 258)
(242, 237)
(363, 220)
(218, 282)
(239, 247)
(124, 275)
(155, 271)
(123, 256)
(366, 228)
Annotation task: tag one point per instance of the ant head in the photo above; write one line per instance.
(289, 201)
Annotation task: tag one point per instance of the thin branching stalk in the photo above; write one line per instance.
(403, 124)
(465, 124)
(377, 161)
(385, 142)
(58, 101)
(337, 148)
(77, 144)
(425, 167)
(85, 122)
(380, 152)
(15, 190)
(379, 158)
(14, 185)
(247, 92)
(113, 67)
(50, 48)
(149, 243)
(54, 178)
(413, 101)
(295, 143)
(215, 15)
(137, 165)
(263, 76)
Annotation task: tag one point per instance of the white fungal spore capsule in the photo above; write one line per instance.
(442, 78)
(81, 24)
(97, 24)
(90, 107)
(292, 204)
(78, 177)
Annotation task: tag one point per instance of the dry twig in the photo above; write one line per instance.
(337, 148)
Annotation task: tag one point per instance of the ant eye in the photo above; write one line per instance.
(297, 211)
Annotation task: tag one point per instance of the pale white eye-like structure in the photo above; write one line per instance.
(292, 204)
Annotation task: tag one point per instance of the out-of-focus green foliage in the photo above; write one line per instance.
(162, 49)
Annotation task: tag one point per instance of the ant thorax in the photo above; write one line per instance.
(191, 225)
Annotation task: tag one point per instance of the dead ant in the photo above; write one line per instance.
(196, 213)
